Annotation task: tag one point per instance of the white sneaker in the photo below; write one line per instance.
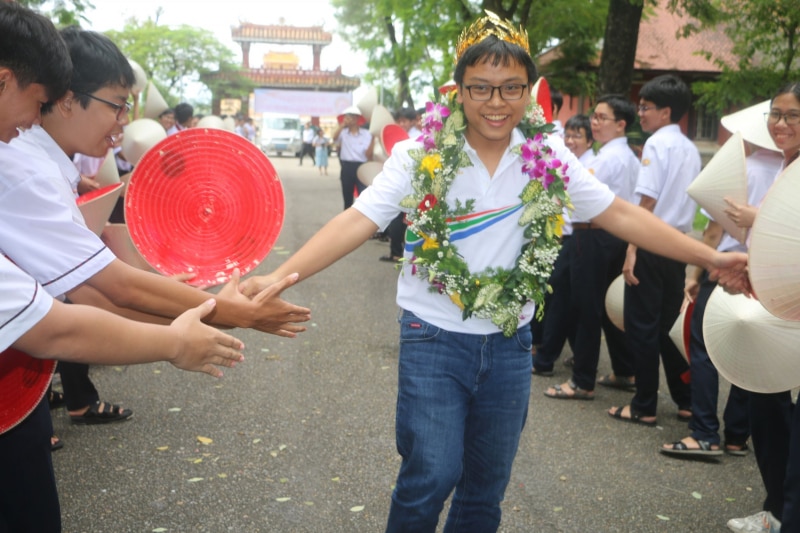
(762, 522)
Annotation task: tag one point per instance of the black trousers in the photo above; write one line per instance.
(79, 391)
(308, 150)
(651, 308)
(397, 235)
(596, 259)
(28, 497)
(350, 181)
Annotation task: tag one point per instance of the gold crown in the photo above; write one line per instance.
(491, 24)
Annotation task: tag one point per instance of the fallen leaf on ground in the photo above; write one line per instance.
(357, 509)
(162, 448)
(282, 499)
(662, 517)
(204, 440)
(194, 480)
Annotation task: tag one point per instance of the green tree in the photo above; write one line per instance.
(766, 45)
(174, 57)
(61, 12)
(410, 50)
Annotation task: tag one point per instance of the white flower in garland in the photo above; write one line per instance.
(498, 294)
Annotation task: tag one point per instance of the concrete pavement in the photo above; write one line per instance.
(301, 435)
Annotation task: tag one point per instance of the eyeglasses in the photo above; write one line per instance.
(791, 119)
(122, 109)
(600, 118)
(646, 108)
(575, 137)
(509, 91)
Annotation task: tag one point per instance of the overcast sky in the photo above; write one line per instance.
(218, 16)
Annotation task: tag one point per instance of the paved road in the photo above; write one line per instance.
(302, 437)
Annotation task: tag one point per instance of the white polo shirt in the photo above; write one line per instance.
(618, 167)
(353, 147)
(670, 162)
(496, 243)
(23, 304)
(41, 228)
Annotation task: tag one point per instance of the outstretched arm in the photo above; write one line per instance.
(340, 236)
(85, 334)
(642, 228)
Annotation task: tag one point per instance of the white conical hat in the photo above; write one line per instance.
(212, 121)
(724, 176)
(368, 102)
(139, 74)
(380, 118)
(750, 347)
(681, 330)
(229, 123)
(366, 172)
(108, 174)
(154, 103)
(97, 205)
(615, 299)
(118, 239)
(774, 261)
(750, 121)
(141, 135)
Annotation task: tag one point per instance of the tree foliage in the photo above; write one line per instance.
(174, 57)
(766, 43)
(410, 49)
(61, 12)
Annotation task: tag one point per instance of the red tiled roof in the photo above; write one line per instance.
(280, 34)
(659, 48)
(297, 79)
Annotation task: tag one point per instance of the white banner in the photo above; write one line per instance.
(310, 103)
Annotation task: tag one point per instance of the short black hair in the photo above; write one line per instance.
(556, 99)
(167, 111)
(31, 47)
(407, 113)
(580, 122)
(96, 63)
(622, 107)
(669, 91)
(183, 112)
(495, 51)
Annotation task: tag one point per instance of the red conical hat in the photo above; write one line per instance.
(541, 93)
(391, 135)
(23, 382)
(204, 201)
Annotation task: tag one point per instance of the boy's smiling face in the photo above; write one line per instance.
(492, 121)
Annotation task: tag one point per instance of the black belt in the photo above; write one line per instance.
(585, 225)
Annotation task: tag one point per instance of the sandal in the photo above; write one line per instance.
(544, 373)
(55, 443)
(738, 450)
(704, 449)
(610, 380)
(576, 394)
(102, 413)
(55, 399)
(682, 416)
(634, 418)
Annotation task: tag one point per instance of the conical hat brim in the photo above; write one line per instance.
(541, 93)
(140, 75)
(141, 135)
(212, 121)
(750, 347)
(108, 174)
(391, 135)
(750, 122)
(118, 239)
(380, 117)
(615, 299)
(154, 103)
(681, 330)
(724, 176)
(366, 172)
(774, 261)
(367, 104)
(96, 206)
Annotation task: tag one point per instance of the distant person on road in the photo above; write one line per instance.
(167, 119)
(309, 132)
(355, 147)
(473, 197)
(321, 143)
(184, 113)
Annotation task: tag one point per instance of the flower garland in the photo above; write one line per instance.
(498, 294)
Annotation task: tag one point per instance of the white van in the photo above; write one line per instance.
(280, 134)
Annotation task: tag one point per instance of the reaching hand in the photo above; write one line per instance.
(203, 347)
(730, 272)
(277, 316)
(742, 215)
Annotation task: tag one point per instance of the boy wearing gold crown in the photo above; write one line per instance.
(483, 205)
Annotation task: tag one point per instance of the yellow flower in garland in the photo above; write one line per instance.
(456, 299)
(431, 163)
(430, 243)
(556, 225)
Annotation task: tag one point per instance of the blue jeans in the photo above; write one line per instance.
(461, 405)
